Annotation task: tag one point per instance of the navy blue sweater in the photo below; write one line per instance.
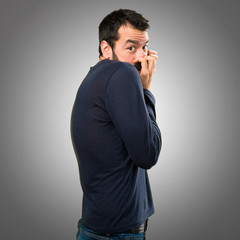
(116, 139)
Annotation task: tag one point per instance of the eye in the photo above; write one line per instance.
(145, 47)
(131, 48)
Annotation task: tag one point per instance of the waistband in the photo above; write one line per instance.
(140, 229)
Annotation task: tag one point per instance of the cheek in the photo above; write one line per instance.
(130, 58)
(125, 56)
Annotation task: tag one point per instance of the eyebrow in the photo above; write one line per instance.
(135, 41)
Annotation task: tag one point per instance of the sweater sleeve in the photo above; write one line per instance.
(132, 111)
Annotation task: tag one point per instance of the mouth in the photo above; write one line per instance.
(138, 66)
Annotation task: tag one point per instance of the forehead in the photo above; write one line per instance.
(127, 32)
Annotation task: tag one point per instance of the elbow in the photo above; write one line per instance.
(149, 157)
(150, 160)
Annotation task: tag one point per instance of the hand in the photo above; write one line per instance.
(148, 68)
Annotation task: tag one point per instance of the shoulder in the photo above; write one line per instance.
(124, 66)
(124, 76)
(113, 70)
(116, 66)
(124, 70)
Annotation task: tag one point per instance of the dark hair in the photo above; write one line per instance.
(108, 28)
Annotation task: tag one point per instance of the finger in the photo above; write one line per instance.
(151, 64)
(153, 54)
(150, 52)
(151, 59)
(144, 63)
(140, 59)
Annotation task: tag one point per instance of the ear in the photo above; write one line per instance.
(106, 50)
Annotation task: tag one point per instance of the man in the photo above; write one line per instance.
(114, 131)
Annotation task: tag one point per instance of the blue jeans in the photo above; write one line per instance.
(87, 234)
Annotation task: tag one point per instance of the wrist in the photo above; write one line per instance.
(147, 88)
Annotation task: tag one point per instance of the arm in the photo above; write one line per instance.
(132, 111)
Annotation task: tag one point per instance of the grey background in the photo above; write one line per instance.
(47, 47)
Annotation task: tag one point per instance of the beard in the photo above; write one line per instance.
(114, 56)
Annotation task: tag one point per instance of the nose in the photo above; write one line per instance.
(141, 53)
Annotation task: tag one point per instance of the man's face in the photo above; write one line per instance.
(132, 44)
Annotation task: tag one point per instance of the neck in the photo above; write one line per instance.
(102, 58)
